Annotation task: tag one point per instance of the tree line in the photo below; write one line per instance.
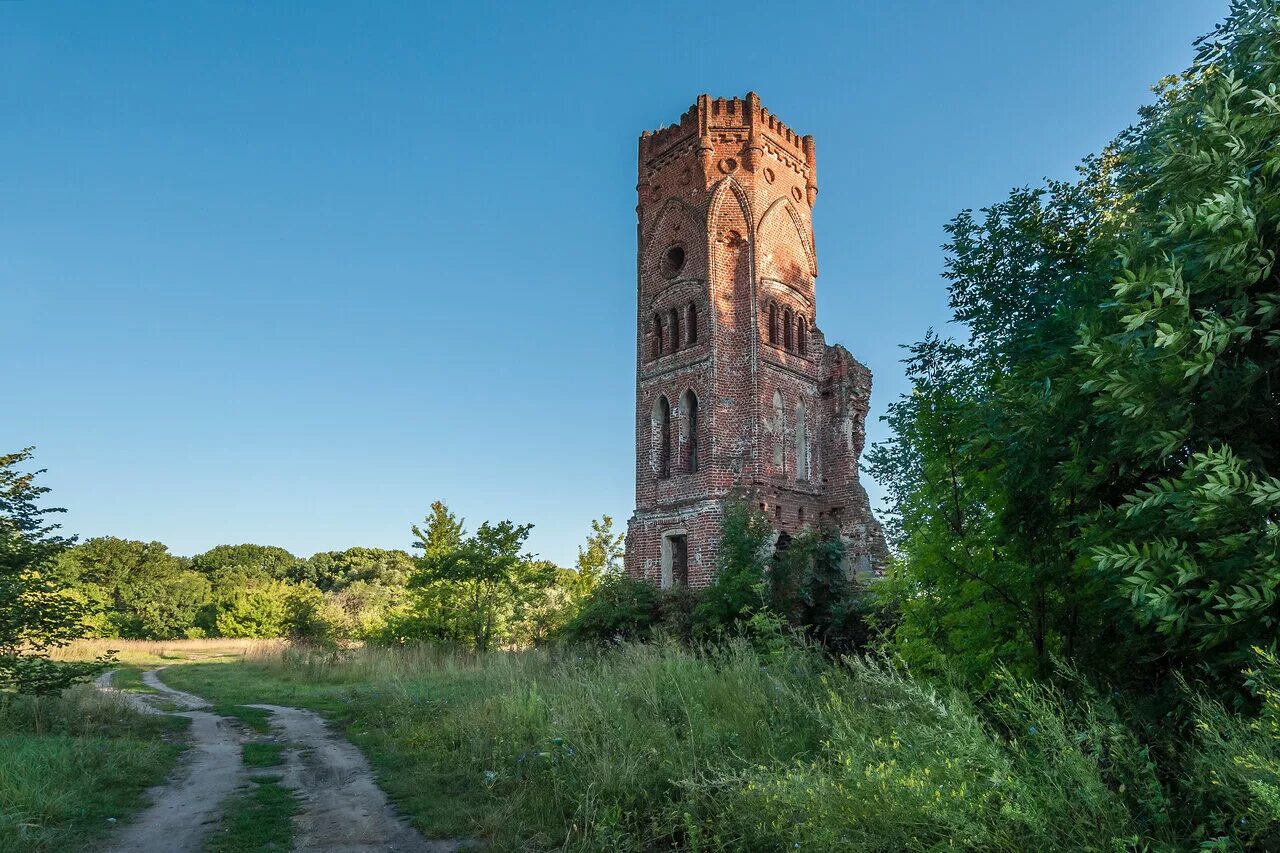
(481, 589)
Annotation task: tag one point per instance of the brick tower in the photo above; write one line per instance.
(737, 391)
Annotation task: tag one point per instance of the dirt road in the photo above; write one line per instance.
(342, 808)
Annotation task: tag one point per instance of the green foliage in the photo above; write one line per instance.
(1094, 475)
(1234, 766)
(1185, 356)
(738, 589)
(619, 609)
(481, 590)
(488, 579)
(136, 590)
(256, 819)
(274, 562)
(248, 602)
(37, 611)
(337, 570)
(70, 762)
(601, 557)
(264, 754)
(660, 746)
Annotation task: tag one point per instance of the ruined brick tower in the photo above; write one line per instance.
(737, 391)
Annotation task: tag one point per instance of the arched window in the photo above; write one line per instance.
(773, 322)
(802, 334)
(689, 430)
(693, 323)
(662, 437)
(787, 323)
(675, 329)
(802, 442)
(657, 336)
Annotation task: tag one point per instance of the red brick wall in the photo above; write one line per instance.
(732, 188)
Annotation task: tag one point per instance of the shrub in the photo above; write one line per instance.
(620, 608)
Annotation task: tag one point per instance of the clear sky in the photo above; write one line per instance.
(286, 273)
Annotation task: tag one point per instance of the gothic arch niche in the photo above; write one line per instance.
(676, 225)
(690, 432)
(779, 430)
(731, 238)
(660, 437)
(802, 441)
(790, 258)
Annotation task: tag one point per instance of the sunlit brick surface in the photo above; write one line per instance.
(726, 316)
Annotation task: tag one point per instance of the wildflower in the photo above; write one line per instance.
(1031, 729)
(490, 777)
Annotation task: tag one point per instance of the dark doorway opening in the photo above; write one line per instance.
(680, 560)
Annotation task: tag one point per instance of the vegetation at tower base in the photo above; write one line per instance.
(764, 584)
(1093, 474)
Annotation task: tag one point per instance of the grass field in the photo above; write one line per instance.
(70, 766)
(257, 819)
(660, 747)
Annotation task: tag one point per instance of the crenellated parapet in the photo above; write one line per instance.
(740, 124)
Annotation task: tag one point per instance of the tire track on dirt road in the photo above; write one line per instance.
(343, 809)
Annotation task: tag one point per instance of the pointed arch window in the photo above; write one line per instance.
(773, 322)
(802, 334)
(693, 323)
(787, 324)
(689, 432)
(662, 437)
(675, 329)
(656, 348)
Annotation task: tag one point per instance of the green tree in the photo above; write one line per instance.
(739, 588)
(247, 602)
(37, 613)
(274, 561)
(1185, 360)
(334, 570)
(601, 556)
(487, 577)
(136, 590)
(1093, 475)
(619, 609)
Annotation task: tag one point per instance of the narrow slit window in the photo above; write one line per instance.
(657, 336)
(675, 329)
(773, 322)
(802, 334)
(693, 323)
(786, 329)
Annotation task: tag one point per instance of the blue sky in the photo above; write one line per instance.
(286, 273)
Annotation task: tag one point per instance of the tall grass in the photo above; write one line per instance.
(161, 651)
(651, 747)
(71, 765)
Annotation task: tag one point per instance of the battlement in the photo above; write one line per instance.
(709, 114)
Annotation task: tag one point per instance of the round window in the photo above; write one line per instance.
(673, 261)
